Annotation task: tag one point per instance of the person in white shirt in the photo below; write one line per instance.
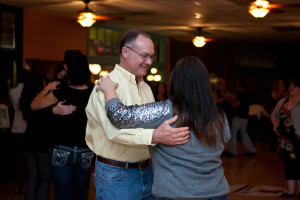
(18, 129)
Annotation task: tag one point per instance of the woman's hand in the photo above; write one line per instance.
(106, 85)
(61, 109)
(52, 85)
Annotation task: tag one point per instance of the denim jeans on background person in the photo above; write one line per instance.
(39, 175)
(217, 198)
(71, 169)
(122, 183)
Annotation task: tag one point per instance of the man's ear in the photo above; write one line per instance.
(125, 52)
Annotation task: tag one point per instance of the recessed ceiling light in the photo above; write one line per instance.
(197, 15)
(197, 3)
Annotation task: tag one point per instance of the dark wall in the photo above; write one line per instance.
(259, 64)
(10, 55)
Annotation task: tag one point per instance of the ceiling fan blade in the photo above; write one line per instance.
(46, 3)
(99, 17)
(210, 39)
(274, 6)
(240, 2)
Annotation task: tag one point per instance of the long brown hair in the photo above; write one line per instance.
(194, 102)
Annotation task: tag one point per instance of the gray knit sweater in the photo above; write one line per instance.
(189, 171)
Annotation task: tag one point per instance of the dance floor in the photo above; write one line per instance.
(258, 177)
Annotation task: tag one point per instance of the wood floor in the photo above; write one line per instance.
(257, 177)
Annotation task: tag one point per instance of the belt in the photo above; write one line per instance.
(139, 165)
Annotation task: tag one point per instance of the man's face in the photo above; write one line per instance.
(139, 56)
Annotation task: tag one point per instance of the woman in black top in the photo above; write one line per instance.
(71, 159)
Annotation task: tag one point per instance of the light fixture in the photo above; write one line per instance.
(86, 17)
(199, 41)
(197, 3)
(197, 15)
(153, 70)
(259, 8)
(157, 77)
(95, 68)
(150, 77)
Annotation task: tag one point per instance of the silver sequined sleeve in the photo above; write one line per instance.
(149, 115)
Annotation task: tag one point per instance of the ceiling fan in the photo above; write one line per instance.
(200, 40)
(260, 8)
(87, 17)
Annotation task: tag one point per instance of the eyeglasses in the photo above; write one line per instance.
(143, 56)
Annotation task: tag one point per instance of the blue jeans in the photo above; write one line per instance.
(39, 175)
(217, 198)
(71, 169)
(116, 183)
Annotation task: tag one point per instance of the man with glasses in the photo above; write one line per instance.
(123, 169)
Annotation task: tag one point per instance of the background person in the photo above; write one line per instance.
(286, 123)
(240, 103)
(192, 170)
(71, 159)
(256, 120)
(18, 129)
(60, 74)
(37, 144)
(161, 92)
(123, 169)
(278, 92)
(220, 94)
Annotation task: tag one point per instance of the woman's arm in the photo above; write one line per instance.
(274, 122)
(149, 115)
(45, 98)
(274, 115)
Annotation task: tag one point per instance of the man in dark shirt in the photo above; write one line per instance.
(239, 122)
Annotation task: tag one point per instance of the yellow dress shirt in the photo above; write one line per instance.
(106, 140)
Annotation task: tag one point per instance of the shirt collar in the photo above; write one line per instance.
(126, 74)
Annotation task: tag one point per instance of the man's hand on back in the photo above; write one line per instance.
(168, 135)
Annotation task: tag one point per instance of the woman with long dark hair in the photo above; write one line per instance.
(71, 159)
(192, 170)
